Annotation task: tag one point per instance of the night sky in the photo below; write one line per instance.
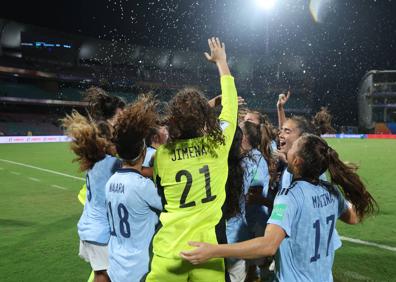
(349, 38)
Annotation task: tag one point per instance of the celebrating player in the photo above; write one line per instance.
(102, 110)
(301, 227)
(156, 137)
(94, 155)
(234, 208)
(132, 200)
(191, 171)
(256, 187)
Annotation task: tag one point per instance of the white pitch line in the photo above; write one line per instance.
(15, 173)
(34, 179)
(361, 242)
(59, 187)
(352, 240)
(356, 276)
(43, 169)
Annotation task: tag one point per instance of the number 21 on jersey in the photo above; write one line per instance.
(185, 173)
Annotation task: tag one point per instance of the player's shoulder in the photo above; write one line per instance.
(293, 188)
(331, 188)
(110, 161)
(294, 192)
(109, 158)
(143, 185)
(138, 179)
(132, 179)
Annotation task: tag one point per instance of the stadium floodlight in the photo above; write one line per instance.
(266, 4)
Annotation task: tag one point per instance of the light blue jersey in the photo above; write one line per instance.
(274, 146)
(236, 226)
(256, 174)
(237, 229)
(148, 157)
(132, 206)
(308, 214)
(93, 225)
(287, 179)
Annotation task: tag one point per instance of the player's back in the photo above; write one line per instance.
(194, 178)
(307, 253)
(132, 201)
(192, 174)
(93, 225)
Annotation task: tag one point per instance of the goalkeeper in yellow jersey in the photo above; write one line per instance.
(191, 172)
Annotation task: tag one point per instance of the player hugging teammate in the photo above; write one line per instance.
(215, 182)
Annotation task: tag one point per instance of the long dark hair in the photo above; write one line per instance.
(268, 134)
(322, 122)
(101, 105)
(235, 177)
(101, 108)
(259, 138)
(190, 117)
(318, 157)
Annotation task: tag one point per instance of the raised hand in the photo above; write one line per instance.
(217, 51)
(282, 99)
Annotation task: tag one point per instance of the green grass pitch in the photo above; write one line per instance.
(39, 212)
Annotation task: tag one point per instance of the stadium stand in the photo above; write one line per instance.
(19, 124)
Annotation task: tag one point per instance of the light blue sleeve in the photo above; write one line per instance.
(274, 147)
(286, 179)
(323, 177)
(148, 157)
(248, 166)
(150, 195)
(284, 212)
(263, 176)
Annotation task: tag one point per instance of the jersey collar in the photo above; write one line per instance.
(311, 181)
(126, 170)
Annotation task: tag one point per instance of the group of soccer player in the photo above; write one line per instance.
(191, 195)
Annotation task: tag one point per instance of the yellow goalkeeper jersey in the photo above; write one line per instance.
(191, 178)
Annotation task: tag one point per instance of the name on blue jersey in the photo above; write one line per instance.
(322, 200)
(116, 188)
(189, 152)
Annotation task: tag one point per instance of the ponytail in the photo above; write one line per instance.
(318, 157)
(345, 176)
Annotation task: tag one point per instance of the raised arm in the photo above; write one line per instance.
(280, 106)
(218, 55)
(229, 99)
(255, 248)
